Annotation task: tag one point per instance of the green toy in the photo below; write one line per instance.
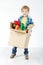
(22, 26)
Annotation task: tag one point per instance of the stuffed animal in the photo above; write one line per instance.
(13, 25)
(17, 23)
(22, 26)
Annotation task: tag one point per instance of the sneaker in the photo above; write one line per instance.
(13, 55)
(26, 57)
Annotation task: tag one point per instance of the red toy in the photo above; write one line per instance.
(17, 23)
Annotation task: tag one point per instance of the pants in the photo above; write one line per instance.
(14, 50)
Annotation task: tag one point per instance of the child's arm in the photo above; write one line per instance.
(29, 28)
(31, 24)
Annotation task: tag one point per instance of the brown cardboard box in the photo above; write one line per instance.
(19, 38)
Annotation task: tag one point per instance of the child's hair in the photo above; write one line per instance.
(25, 7)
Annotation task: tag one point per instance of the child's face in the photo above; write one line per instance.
(25, 12)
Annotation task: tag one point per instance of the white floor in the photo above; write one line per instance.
(36, 57)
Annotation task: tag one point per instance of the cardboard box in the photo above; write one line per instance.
(19, 38)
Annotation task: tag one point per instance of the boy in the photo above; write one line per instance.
(27, 21)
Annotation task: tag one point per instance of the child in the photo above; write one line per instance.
(27, 21)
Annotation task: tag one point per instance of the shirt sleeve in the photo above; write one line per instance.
(30, 21)
(19, 19)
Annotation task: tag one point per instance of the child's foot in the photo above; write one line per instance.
(26, 57)
(13, 55)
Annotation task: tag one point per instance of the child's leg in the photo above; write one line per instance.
(14, 50)
(26, 53)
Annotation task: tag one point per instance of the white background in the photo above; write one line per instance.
(10, 11)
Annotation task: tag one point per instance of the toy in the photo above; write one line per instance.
(17, 23)
(13, 25)
(24, 20)
(22, 26)
(17, 27)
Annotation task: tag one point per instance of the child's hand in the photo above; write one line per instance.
(31, 26)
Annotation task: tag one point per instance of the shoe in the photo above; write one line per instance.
(13, 55)
(26, 57)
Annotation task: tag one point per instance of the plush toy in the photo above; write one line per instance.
(13, 25)
(17, 23)
(22, 26)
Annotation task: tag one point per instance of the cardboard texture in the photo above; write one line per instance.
(19, 39)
